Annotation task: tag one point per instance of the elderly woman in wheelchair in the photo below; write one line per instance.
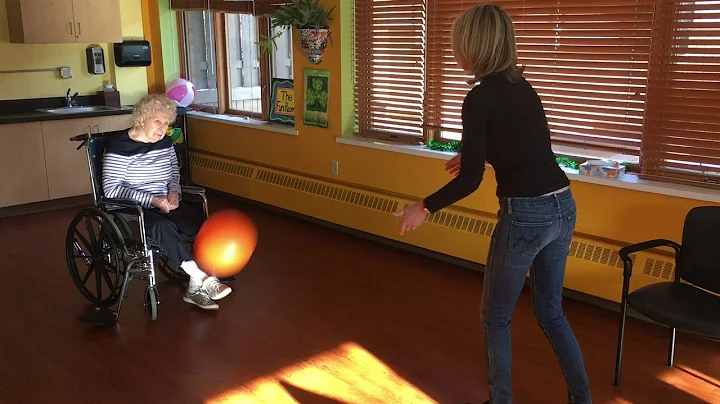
(141, 165)
(135, 180)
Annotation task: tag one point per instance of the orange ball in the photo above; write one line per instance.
(225, 243)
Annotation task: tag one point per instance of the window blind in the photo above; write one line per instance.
(223, 6)
(263, 7)
(232, 6)
(389, 67)
(189, 4)
(588, 61)
(682, 122)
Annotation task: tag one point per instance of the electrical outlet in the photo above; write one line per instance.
(66, 72)
(334, 167)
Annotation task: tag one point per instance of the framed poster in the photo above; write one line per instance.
(282, 102)
(317, 94)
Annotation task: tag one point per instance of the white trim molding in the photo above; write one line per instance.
(627, 181)
(243, 121)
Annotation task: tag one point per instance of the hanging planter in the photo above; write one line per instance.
(310, 20)
(313, 42)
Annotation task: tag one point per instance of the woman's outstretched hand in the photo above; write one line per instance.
(453, 165)
(413, 217)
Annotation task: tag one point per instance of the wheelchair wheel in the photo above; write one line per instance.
(122, 226)
(151, 303)
(93, 246)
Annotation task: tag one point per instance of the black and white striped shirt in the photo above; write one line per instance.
(139, 171)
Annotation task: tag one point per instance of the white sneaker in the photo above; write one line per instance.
(200, 299)
(214, 289)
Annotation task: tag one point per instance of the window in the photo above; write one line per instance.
(682, 122)
(200, 56)
(243, 58)
(638, 77)
(390, 67)
(221, 56)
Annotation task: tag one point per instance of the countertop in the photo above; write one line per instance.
(37, 116)
(26, 110)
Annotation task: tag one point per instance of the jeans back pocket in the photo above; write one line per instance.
(528, 238)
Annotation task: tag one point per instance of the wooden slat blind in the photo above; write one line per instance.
(389, 67)
(263, 7)
(588, 61)
(682, 122)
(232, 6)
(222, 6)
(188, 5)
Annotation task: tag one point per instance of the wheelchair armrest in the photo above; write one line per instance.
(123, 203)
(187, 189)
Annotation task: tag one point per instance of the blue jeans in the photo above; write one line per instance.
(532, 234)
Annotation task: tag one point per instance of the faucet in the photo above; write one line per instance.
(70, 101)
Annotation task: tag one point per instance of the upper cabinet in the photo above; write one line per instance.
(64, 21)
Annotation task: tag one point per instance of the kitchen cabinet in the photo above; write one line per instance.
(39, 162)
(22, 164)
(68, 173)
(64, 21)
(113, 122)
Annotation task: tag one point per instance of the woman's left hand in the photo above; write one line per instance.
(173, 199)
(413, 217)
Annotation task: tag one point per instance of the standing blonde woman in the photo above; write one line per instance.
(504, 123)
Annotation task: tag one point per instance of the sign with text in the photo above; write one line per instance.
(282, 102)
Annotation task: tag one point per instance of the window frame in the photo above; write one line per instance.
(222, 65)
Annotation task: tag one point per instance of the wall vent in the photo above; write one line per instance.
(659, 269)
(221, 165)
(595, 253)
(462, 223)
(358, 198)
(578, 249)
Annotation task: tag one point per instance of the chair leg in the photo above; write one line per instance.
(621, 337)
(671, 348)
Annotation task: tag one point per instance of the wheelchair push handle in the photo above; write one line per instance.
(80, 138)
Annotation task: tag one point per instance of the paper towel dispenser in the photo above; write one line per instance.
(132, 53)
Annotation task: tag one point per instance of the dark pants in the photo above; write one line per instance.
(532, 234)
(166, 230)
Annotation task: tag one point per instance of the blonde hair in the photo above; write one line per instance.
(483, 42)
(152, 103)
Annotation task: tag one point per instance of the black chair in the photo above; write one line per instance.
(111, 249)
(690, 302)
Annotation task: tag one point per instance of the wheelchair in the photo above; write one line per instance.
(109, 239)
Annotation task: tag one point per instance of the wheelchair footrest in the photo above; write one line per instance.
(100, 317)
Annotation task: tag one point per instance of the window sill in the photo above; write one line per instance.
(244, 122)
(627, 181)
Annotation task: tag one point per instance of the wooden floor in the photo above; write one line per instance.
(318, 316)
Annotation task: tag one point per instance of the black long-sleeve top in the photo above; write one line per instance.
(504, 123)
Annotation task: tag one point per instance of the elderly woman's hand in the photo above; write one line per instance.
(173, 199)
(161, 203)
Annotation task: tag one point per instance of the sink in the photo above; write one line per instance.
(77, 110)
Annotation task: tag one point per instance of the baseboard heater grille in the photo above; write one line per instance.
(341, 194)
(579, 249)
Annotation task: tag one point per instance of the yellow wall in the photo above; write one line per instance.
(131, 82)
(605, 213)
